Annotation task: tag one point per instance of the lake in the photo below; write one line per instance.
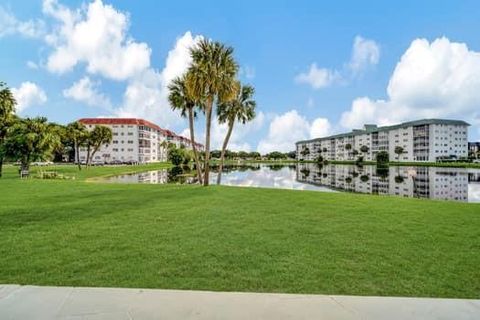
(455, 184)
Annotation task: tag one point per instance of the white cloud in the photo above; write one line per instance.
(240, 133)
(32, 65)
(320, 127)
(248, 72)
(432, 79)
(318, 78)
(95, 35)
(10, 25)
(146, 94)
(86, 91)
(365, 52)
(290, 127)
(28, 94)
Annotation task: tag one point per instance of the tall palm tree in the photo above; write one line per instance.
(241, 109)
(211, 79)
(180, 99)
(7, 110)
(77, 132)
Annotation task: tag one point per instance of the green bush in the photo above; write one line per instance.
(382, 157)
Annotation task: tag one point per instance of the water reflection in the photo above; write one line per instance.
(419, 182)
(415, 182)
(179, 175)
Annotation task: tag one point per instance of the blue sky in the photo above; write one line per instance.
(318, 68)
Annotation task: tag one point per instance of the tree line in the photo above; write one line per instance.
(27, 140)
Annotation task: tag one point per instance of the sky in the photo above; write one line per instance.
(318, 67)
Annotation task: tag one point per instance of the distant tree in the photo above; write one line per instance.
(7, 118)
(215, 154)
(175, 155)
(187, 156)
(319, 159)
(254, 155)
(96, 138)
(348, 147)
(364, 149)
(324, 150)
(305, 172)
(355, 152)
(382, 172)
(275, 155)
(398, 151)
(364, 178)
(399, 179)
(292, 154)
(382, 158)
(243, 154)
(305, 151)
(348, 180)
(31, 140)
(77, 133)
(229, 154)
(65, 147)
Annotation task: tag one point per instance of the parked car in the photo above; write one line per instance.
(116, 162)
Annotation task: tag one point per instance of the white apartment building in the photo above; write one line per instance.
(423, 140)
(134, 140)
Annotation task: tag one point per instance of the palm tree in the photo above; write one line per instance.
(211, 79)
(98, 136)
(242, 109)
(31, 140)
(7, 110)
(399, 150)
(77, 132)
(180, 100)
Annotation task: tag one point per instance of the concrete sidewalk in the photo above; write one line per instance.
(31, 302)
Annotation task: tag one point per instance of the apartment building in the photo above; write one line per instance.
(474, 149)
(427, 140)
(134, 140)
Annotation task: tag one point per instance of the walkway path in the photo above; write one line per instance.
(31, 302)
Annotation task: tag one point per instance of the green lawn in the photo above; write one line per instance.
(234, 239)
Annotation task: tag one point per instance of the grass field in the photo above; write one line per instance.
(234, 239)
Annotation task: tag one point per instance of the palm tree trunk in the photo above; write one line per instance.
(224, 148)
(77, 155)
(194, 148)
(208, 116)
(87, 161)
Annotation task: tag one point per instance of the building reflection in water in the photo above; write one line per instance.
(415, 182)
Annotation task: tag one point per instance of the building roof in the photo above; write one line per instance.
(133, 121)
(370, 128)
(127, 121)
